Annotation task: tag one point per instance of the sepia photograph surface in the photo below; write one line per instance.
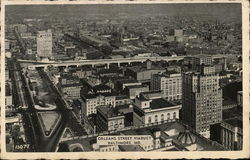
(124, 77)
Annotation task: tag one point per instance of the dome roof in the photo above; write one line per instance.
(186, 137)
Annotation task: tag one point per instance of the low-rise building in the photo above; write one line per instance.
(229, 133)
(71, 91)
(154, 110)
(81, 72)
(109, 72)
(109, 118)
(158, 139)
(68, 79)
(135, 90)
(143, 73)
(121, 84)
(122, 100)
(91, 101)
(102, 88)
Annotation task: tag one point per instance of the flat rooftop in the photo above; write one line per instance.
(136, 86)
(142, 68)
(91, 96)
(160, 103)
(109, 111)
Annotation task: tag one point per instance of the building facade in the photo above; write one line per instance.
(201, 100)
(170, 83)
(71, 91)
(229, 133)
(133, 91)
(154, 110)
(109, 118)
(143, 73)
(44, 44)
(90, 102)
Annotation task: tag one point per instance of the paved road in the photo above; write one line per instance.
(68, 118)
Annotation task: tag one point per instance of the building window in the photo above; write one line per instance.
(168, 116)
(174, 115)
(156, 118)
(149, 119)
(162, 117)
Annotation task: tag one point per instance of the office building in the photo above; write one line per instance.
(44, 44)
(201, 100)
(91, 101)
(170, 83)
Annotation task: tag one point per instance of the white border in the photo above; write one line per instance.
(114, 155)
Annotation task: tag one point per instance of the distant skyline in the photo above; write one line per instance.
(220, 11)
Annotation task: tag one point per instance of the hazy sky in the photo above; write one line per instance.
(219, 10)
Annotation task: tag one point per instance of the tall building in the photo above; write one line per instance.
(170, 83)
(44, 44)
(201, 100)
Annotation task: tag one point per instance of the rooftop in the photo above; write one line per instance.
(142, 68)
(160, 103)
(68, 76)
(71, 85)
(101, 87)
(80, 69)
(127, 80)
(91, 96)
(119, 97)
(105, 71)
(169, 74)
(136, 86)
(109, 111)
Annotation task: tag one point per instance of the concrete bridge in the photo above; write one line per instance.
(95, 62)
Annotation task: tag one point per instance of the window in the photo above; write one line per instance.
(174, 115)
(149, 120)
(156, 118)
(162, 117)
(168, 116)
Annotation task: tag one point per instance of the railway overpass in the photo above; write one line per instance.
(107, 62)
(93, 63)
